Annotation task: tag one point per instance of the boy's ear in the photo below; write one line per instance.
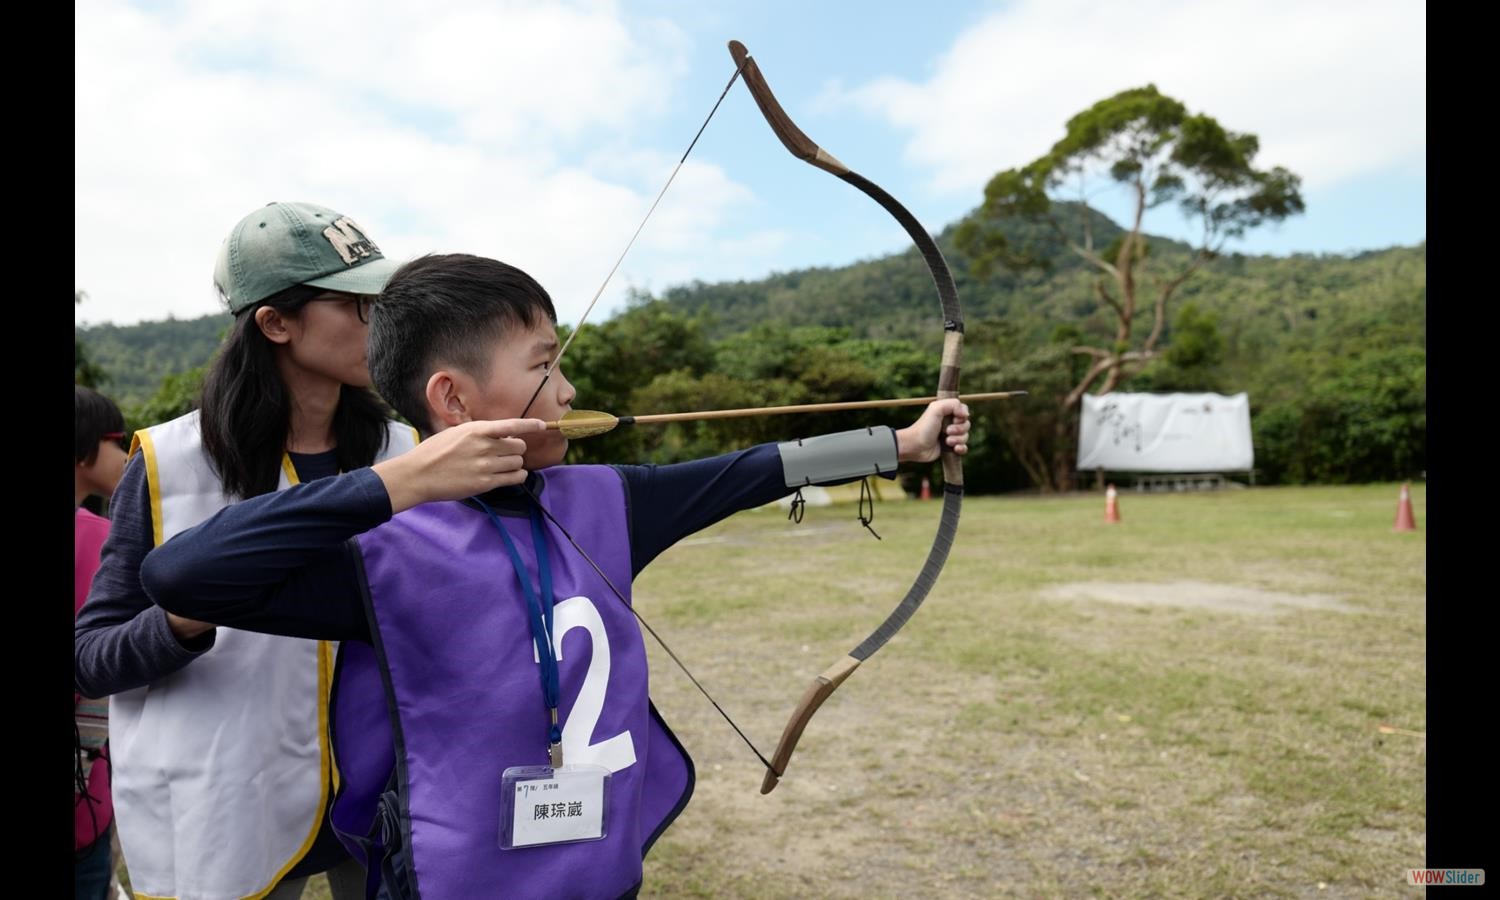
(445, 402)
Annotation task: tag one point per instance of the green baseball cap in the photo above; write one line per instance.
(286, 244)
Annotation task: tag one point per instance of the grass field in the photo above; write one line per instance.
(1183, 704)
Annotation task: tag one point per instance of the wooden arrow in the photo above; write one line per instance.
(582, 423)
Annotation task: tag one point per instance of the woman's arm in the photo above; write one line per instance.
(121, 640)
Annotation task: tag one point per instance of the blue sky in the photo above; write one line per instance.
(539, 133)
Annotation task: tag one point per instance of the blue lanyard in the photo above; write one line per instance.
(539, 612)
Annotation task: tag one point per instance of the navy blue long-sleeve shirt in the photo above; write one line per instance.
(281, 564)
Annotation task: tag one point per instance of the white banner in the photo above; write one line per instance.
(1165, 433)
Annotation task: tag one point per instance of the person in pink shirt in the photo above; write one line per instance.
(99, 456)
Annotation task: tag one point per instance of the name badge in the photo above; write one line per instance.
(543, 805)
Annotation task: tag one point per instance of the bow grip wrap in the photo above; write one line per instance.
(953, 343)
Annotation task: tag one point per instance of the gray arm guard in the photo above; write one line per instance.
(839, 457)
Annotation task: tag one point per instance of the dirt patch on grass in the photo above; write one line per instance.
(1230, 598)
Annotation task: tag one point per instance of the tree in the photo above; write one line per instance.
(1364, 418)
(1194, 362)
(613, 359)
(1023, 431)
(1149, 144)
(178, 395)
(85, 371)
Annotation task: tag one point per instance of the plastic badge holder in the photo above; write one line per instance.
(541, 805)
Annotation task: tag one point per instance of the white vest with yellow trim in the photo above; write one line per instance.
(221, 769)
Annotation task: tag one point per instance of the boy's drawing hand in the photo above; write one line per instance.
(458, 462)
(919, 442)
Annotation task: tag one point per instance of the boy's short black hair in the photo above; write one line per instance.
(446, 310)
(94, 416)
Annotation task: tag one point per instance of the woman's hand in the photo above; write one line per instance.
(186, 630)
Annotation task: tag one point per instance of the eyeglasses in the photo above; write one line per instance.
(361, 304)
(116, 436)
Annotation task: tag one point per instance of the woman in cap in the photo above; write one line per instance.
(221, 763)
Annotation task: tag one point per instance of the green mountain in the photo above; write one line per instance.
(1260, 300)
(136, 358)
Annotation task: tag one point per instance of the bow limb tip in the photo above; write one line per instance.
(822, 686)
(792, 137)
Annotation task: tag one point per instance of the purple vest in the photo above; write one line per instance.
(451, 696)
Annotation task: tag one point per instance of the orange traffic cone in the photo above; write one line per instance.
(926, 490)
(1405, 521)
(1111, 505)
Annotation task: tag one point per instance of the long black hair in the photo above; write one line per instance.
(246, 411)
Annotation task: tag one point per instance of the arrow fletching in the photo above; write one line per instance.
(584, 423)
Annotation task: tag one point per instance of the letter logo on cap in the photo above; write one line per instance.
(349, 240)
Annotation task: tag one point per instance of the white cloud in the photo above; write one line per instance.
(529, 131)
(1333, 89)
(440, 127)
